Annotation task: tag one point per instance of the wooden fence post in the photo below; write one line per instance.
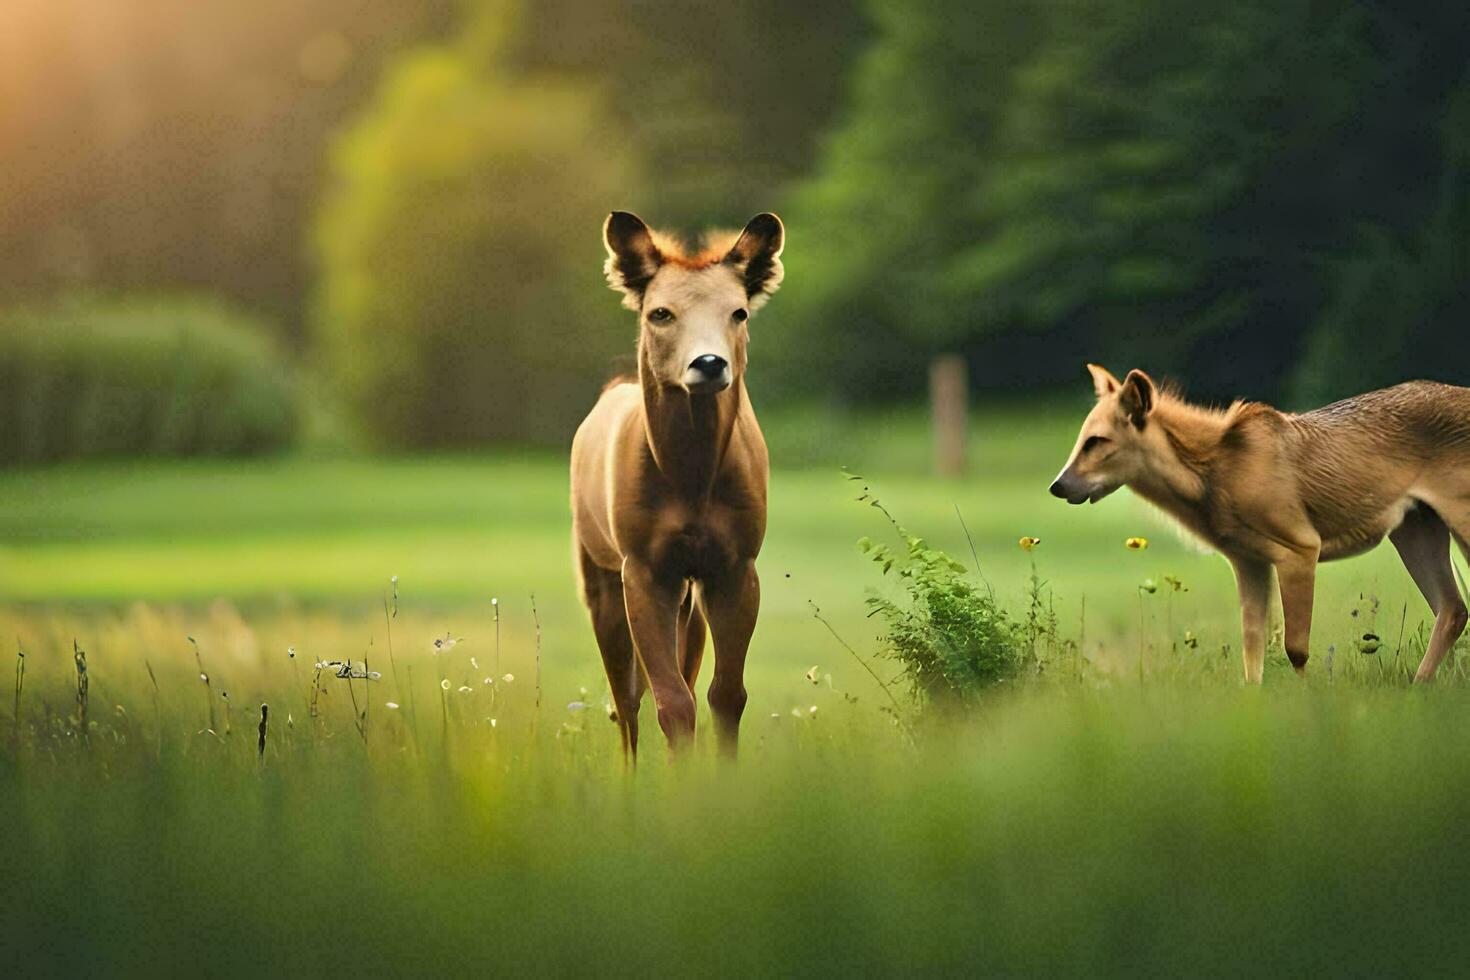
(948, 398)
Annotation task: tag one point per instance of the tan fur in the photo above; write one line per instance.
(669, 480)
(1281, 492)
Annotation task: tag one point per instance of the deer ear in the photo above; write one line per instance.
(756, 256)
(632, 257)
(1136, 398)
(1103, 381)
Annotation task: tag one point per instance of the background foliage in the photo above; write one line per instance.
(88, 376)
(1265, 199)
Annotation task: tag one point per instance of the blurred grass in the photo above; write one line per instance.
(1131, 810)
(329, 533)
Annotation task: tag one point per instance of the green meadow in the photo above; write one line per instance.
(1127, 807)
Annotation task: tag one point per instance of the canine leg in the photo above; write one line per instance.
(732, 603)
(603, 592)
(691, 638)
(653, 618)
(1297, 577)
(1253, 579)
(1423, 542)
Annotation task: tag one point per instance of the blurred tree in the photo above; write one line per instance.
(726, 103)
(886, 212)
(461, 294)
(160, 143)
(1208, 189)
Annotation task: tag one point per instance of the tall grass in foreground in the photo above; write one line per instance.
(1119, 805)
(1135, 831)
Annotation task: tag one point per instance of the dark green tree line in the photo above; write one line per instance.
(1265, 198)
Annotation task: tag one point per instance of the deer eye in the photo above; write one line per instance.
(740, 316)
(1093, 442)
(660, 314)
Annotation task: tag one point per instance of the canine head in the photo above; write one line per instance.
(1117, 440)
(693, 308)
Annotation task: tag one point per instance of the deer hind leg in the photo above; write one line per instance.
(691, 637)
(732, 604)
(602, 589)
(1423, 542)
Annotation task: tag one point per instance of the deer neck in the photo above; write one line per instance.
(689, 435)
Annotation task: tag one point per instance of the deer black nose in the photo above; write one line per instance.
(1057, 490)
(710, 365)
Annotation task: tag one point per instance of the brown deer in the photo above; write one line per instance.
(669, 474)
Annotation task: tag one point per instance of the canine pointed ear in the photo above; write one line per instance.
(632, 257)
(1136, 398)
(1103, 381)
(756, 256)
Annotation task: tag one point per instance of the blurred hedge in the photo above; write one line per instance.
(84, 377)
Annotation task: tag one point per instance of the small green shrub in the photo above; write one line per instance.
(952, 637)
(86, 377)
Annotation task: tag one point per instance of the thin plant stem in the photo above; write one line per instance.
(536, 620)
(974, 555)
(20, 683)
(157, 714)
(897, 708)
(204, 676)
(495, 605)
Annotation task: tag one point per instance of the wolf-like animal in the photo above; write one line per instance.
(1275, 491)
(669, 474)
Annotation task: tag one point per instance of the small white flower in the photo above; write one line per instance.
(291, 652)
(576, 706)
(508, 678)
(491, 721)
(465, 689)
(393, 705)
(444, 683)
(812, 675)
(812, 710)
(489, 680)
(582, 691)
(775, 714)
(394, 580)
(494, 601)
(474, 664)
(796, 712)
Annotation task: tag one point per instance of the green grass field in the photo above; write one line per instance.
(1130, 809)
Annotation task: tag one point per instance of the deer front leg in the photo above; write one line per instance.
(653, 619)
(731, 604)
(1297, 576)
(1253, 579)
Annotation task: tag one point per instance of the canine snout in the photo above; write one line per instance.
(708, 373)
(1069, 488)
